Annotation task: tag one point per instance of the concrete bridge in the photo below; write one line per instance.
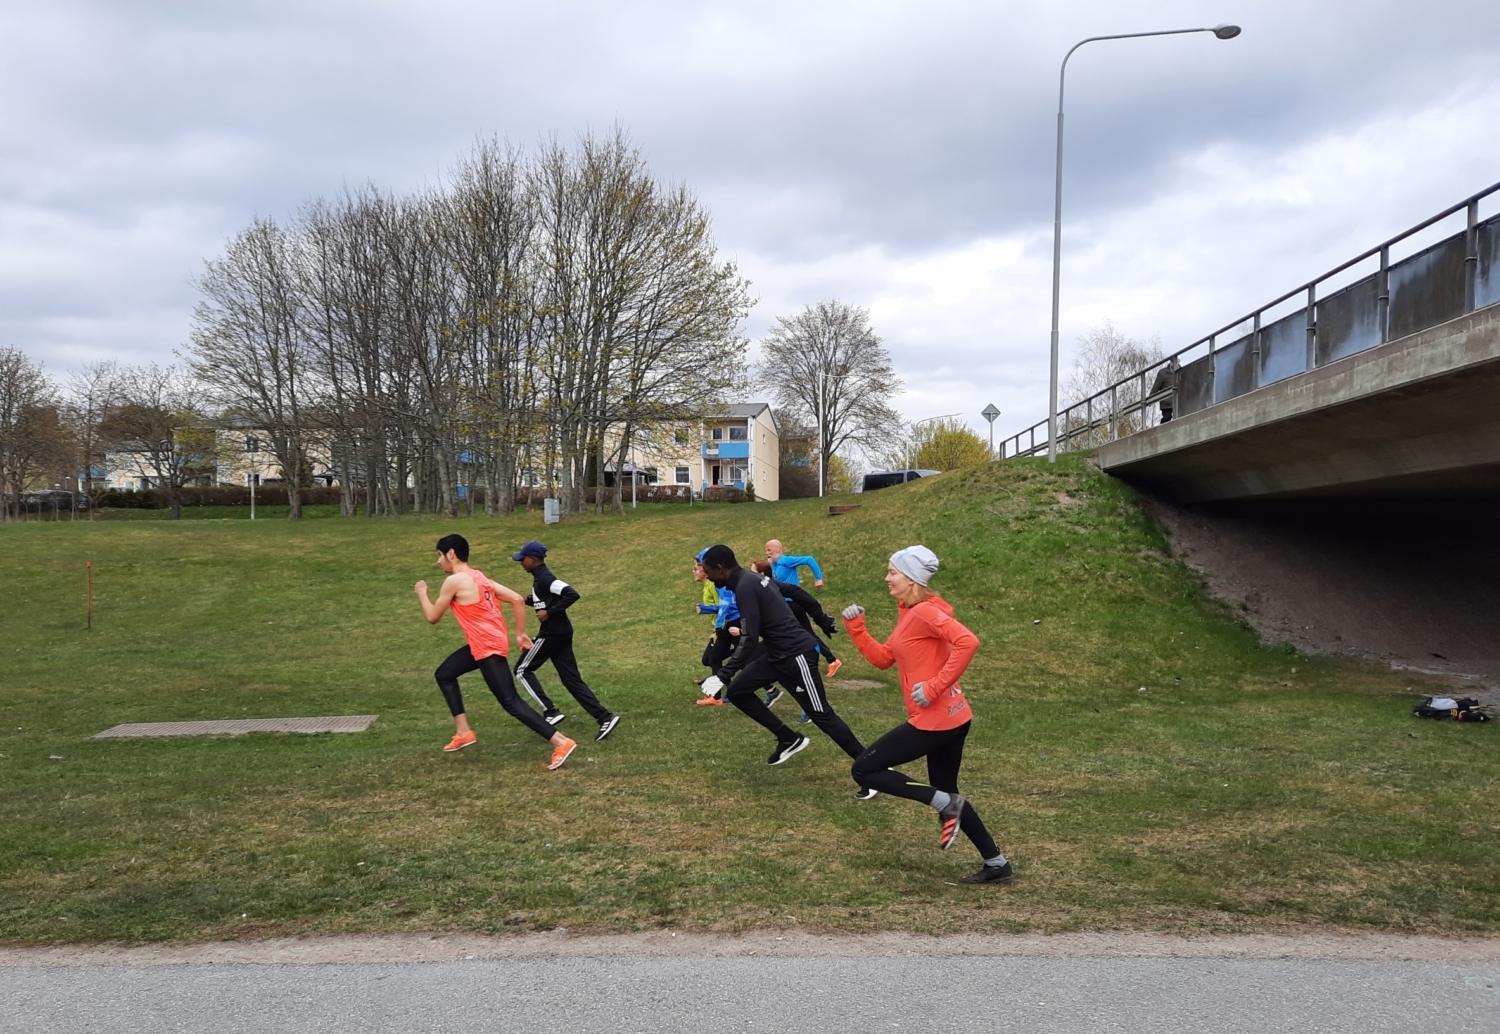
(1388, 385)
(1333, 470)
(1415, 417)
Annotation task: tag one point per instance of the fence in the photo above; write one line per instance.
(1455, 276)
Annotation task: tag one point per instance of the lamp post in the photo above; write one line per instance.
(252, 447)
(822, 473)
(1220, 32)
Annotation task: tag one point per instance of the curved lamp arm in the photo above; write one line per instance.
(1221, 32)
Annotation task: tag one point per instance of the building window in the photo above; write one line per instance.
(718, 434)
(738, 434)
(684, 475)
(734, 472)
(682, 435)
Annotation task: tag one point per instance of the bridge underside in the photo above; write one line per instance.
(1419, 416)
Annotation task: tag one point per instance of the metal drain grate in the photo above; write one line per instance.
(239, 727)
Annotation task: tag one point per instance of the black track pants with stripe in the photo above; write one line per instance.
(558, 650)
(944, 751)
(798, 676)
(497, 677)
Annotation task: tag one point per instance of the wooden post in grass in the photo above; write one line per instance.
(88, 576)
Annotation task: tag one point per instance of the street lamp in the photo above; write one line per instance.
(252, 449)
(1220, 32)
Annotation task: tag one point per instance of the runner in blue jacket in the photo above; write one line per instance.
(784, 566)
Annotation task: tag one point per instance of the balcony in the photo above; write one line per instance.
(726, 451)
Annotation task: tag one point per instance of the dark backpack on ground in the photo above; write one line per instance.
(1463, 709)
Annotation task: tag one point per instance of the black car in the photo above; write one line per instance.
(887, 478)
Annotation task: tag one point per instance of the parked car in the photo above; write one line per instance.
(887, 478)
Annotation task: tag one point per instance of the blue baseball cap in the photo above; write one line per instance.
(699, 556)
(532, 548)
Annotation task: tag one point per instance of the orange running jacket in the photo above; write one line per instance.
(927, 646)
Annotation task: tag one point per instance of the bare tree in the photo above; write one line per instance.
(826, 365)
(680, 351)
(90, 394)
(28, 426)
(248, 347)
(489, 225)
(551, 307)
(157, 430)
(1107, 356)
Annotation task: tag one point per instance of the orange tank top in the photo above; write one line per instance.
(483, 625)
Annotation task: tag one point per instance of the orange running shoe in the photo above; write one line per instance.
(561, 753)
(710, 702)
(833, 668)
(461, 740)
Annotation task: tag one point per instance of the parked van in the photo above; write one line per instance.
(887, 478)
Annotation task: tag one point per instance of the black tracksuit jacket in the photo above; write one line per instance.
(555, 596)
(766, 622)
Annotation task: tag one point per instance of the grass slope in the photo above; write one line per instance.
(1244, 788)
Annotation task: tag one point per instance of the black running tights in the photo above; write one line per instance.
(497, 676)
(944, 751)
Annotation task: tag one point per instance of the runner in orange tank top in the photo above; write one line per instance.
(475, 602)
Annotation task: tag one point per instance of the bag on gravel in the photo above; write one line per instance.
(1463, 709)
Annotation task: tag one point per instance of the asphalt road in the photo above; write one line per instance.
(712, 995)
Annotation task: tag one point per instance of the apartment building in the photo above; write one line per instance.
(734, 449)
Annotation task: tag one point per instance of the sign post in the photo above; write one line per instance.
(989, 412)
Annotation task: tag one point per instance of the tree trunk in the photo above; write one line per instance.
(293, 469)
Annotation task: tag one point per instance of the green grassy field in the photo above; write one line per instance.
(1244, 788)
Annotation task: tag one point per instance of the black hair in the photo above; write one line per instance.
(457, 543)
(719, 556)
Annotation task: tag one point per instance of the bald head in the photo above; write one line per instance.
(773, 549)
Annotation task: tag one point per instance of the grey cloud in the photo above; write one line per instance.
(140, 135)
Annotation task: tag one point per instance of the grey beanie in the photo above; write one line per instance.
(916, 562)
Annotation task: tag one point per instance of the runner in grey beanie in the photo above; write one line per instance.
(916, 562)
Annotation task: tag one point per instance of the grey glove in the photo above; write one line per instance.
(854, 610)
(919, 694)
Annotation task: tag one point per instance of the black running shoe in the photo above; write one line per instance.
(773, 695)
(990, 874)
(607, 726)
(948, 818)
(786, 750)
(865, 793)
(554, 716)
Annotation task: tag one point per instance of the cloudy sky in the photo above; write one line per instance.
(894, 155)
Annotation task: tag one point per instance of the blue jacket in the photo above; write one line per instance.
(784, 568)
(728, 610)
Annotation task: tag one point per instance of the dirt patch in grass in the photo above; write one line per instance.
(1312, 943)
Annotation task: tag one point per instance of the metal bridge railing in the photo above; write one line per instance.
(1455, 276)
